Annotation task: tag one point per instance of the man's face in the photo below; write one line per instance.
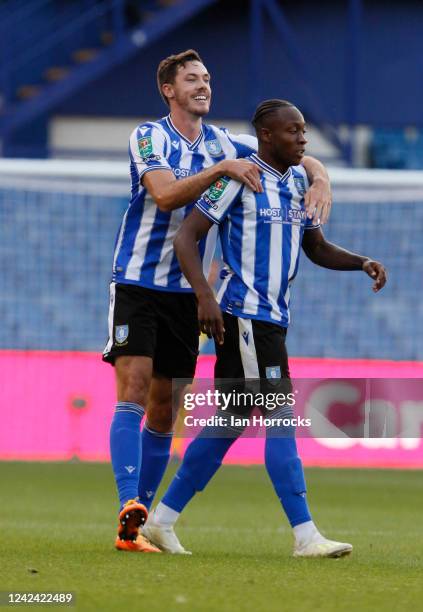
(286, 136)
(191, 89)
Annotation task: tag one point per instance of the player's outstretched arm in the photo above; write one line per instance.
(328, 255)
(194, 227)
(318, 199)
(169, 193)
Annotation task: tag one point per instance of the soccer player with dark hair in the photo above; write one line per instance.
(249, 320)
(153, 325)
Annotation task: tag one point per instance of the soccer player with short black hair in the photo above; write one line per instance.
(153, 325)
(261, 235)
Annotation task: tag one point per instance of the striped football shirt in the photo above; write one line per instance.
(144, 252)
(261, 236)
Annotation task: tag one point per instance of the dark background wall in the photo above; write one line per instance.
(390, 69)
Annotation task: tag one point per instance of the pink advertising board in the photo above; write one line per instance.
(58, 405)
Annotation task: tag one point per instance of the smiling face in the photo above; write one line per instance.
(283, 136)
(190, 90)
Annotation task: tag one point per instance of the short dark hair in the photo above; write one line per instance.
(264, 109)
(168, 68)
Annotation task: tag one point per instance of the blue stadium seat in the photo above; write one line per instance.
(54, 287)
(396, 149)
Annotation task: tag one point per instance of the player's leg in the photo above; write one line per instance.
(130, 350)
(174, 365)
(203, 456)
(268, 358)
(133, 376)
(283, 464)
(156, 435)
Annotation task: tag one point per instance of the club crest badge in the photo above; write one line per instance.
(121, 333)
(273, 373)
(300, 185)
(214, 147)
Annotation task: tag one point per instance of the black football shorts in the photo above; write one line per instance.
(253, 357)
(162, 325)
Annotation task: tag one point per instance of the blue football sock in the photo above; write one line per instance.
(125, 449)
(286, 473)
(155, 457)
(202, 459)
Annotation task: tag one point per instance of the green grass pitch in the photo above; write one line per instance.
(58, 523)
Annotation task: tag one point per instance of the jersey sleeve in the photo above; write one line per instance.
(219, 198)
(245, 144)
(310, 225)
(148, 149)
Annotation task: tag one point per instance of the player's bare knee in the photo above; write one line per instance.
(133, 378)
(160, 416)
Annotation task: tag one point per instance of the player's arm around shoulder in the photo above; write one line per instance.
(169, 193)
(318, 199)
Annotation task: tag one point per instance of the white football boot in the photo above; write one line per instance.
(164, 537)
(319, 546)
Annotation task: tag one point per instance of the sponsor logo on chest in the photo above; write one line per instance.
(183, 172)
(282, 215)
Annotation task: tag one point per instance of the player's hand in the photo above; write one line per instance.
(318, 200)
(245, 172)
(210, 318)
(377, 272)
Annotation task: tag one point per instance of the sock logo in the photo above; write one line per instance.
(130, 468)
(246, 335)
(149, 494)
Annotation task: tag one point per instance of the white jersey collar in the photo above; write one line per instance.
(270, 169)
(191, 145)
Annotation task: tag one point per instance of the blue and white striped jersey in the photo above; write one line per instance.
(144, 252)
(261, 236)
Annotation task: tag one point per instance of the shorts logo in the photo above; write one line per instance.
(300, 185)
(214, 147)
(216, 190)
(273, 372)
(145, 147)
(121, 333)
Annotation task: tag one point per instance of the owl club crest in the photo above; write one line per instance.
(300, 185)
(121, 333)
(214, 147)
(273, 373)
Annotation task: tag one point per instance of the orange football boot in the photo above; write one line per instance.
(140, 544)
(131, 517)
